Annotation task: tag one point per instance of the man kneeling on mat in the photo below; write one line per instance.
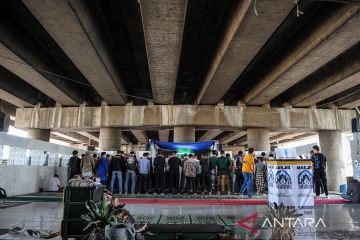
(353, 190)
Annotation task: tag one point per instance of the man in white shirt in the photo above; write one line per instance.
(54, 184)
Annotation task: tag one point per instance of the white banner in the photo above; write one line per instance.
(291, 183)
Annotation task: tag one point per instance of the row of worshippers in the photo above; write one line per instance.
(207, 173)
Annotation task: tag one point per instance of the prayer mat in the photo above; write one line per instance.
(206, 219)
(228, 220)
(147, 219)
(175, 219)
(4, 205)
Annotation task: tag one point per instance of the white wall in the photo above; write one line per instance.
(17, 179)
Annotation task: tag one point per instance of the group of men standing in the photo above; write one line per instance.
(207, 173)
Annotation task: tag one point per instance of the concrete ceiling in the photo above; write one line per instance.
(183, 52)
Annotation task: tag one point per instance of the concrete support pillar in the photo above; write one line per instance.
(331, 146)
(258, 138)
(4, 122)
(39, 134)
(184, 134)
(110, 139)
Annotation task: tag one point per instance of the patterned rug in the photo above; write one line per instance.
(4, 205)
(186, 196)
(224, 220)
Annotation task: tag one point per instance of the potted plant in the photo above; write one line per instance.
(108, 221)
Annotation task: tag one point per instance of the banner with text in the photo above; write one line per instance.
(291, 183)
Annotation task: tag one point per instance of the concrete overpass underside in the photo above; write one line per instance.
(159, 69)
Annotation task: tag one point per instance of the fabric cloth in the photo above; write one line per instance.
(54, 184)
(205, 166)
(174, 180)
(319, 161)
(190, 168)
(223, 183)
(130, 174)
(248, 163)
(119, 175)
(353, 188)
(74, 165)
(213, 160)
(260, 181)
(232, 181)
(159, 182)
(205, 182)
(87, 164)
(143, 183)
(167, 167)
(213, 180)
(239, 179)
(238, 162)
(144, 165)
(131, 163)
(348, 197)
(159, 164)
(231, 166)
(195, 146)
(190, 184)
(118, 163)
(223, 164)
(174, 163)
(260, 167)
(320, 179)
(247, 185)
(103, 169)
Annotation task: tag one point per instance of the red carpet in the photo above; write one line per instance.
(216, 201)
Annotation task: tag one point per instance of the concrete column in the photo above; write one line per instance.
(258, 138)
(39, 134)
(331, 146)
(184, 134)
(4, 122)
(110, 139)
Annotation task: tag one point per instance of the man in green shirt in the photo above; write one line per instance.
(222, 172)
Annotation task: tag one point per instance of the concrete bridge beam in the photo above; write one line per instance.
(39, 134)
(231, 118)
(258, 138)
(184, 134)
(110, 139)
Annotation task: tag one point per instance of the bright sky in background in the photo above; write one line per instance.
(17, 132)
(22, 133)
(298, 143)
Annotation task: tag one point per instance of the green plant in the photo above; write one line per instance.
(100, 214)
(279, 212)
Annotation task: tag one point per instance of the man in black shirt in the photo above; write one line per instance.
(174, 164)
(118, 169)
(159, 170)
(319, 166)
(74, 164)
(205, 173)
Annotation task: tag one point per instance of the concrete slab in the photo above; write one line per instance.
(13, 99)
(327, 40)
(140, 136)
(234, 118)
(163, 22)
(80, 40)
(30, 75)
(246, 35)
(210, 134)
(164, 135)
